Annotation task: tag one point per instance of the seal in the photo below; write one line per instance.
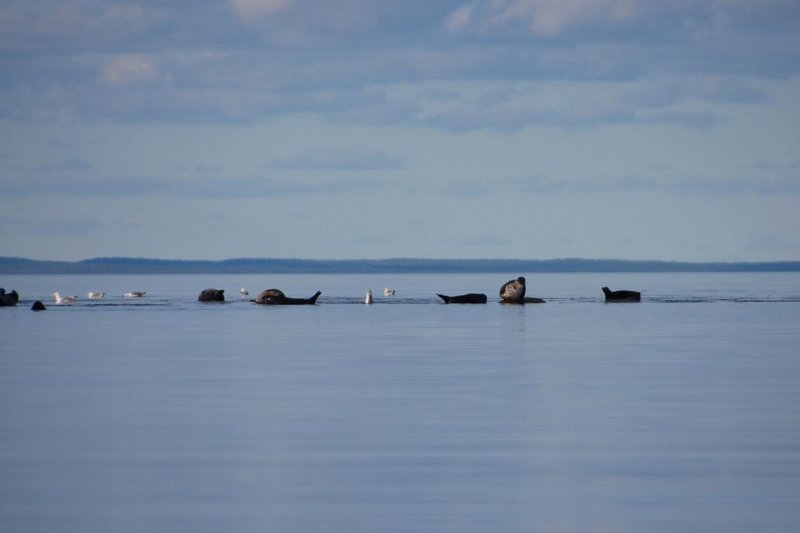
(8, 299)
(212, 295)
(513, 291)
(38, 306)
(469, 298)
(532, 300)
(277, 297)
(269, 295)
(622, 296)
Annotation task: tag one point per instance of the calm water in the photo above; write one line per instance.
(681, 413)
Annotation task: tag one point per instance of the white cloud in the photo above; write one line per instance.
(129, 68)
(549, 18)
(458, 19)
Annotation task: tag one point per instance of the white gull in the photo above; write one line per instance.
(64, 299)
(135, 294)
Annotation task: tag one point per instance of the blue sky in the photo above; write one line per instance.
(535, 129)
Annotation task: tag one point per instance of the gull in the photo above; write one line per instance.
(388, 292)
(95, 295)
(368, 299)
(135, 294)
(243, 293)
(64, 299)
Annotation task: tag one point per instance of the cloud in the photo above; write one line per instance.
(684, 186)
(62, 28)
(52, 226)
(458, 19)
(339, 161)
(485, 240)
(197, 187)
(548, 18)
(647, 21)
(467, 189)
(677, 117)
(129, 68)
(543, 18)
(337, 60)
(710, 88)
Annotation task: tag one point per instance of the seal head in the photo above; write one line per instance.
(513, 291)
(212, 295)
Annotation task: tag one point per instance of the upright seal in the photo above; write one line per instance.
(513, 292)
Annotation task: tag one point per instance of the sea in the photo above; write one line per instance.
(164, 414)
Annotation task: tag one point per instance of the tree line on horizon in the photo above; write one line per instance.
(132, 265)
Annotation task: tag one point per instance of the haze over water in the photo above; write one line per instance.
(679, 413)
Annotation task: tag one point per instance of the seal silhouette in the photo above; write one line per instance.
(212, 295)
(277, 297)
(8, 299)
(469, 298)
(622, 296)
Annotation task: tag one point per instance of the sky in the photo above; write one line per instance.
(367, 129)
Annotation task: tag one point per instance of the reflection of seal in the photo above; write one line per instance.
(212, 295)
(622, 296)
(276, 297)
(471, 298)
(38, 306)
(513, 291)
(8, 299)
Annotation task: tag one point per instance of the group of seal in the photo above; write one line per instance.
(512, 292)
(267, 297)
(11, 299)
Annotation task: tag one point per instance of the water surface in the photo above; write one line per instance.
(681, 413)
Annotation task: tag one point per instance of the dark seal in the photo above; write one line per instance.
(622, 296)
(532, 300)
(38, 306)
(212, 295)
(470, 298)
(513, 291)
(8, 299)
(277, 297)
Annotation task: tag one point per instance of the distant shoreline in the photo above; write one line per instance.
(129, 265)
